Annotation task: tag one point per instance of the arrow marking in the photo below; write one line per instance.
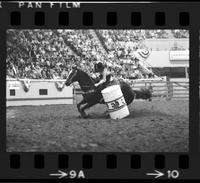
(60, 174)
(157, 174)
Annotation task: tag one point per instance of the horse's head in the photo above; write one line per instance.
(85, 81)
(72, 76)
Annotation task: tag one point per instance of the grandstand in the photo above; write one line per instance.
(49, 54)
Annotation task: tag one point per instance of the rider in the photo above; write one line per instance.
(106, 77)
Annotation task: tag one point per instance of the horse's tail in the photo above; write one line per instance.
(144, 93)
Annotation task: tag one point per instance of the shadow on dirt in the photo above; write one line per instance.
(133, 114)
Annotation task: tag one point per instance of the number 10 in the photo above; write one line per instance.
(173, 174)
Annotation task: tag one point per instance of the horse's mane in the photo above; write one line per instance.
(85, 74)
(85, 80)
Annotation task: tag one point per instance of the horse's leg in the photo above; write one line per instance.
(79, 105)
(88, 105)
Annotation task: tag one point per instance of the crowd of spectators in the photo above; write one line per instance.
(86, 45)
(165, 34)
(49, 54)
(180, 33)
(36, 54)
(115, 39)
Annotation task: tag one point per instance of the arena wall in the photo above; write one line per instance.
(40, 92)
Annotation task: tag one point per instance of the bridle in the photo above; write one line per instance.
(87, 86)
(72, 76)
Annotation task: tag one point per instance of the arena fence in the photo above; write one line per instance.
(37, 92)
(162, 88)
(43, 92)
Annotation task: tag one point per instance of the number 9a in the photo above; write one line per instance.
(72, 174)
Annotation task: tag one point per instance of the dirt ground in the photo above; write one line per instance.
(157, 126)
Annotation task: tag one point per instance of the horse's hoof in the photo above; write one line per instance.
(78, 109)
(87, 116)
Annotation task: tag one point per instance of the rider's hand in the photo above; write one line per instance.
(96, 84)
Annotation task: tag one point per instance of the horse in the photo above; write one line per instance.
(91, 94)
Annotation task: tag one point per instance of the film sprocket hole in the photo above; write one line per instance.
(104, 90)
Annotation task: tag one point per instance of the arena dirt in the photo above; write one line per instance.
(157, 126)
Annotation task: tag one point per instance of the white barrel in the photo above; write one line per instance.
(115, 102)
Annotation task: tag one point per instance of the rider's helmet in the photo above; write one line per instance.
(98, 67)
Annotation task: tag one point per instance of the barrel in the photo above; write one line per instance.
(115, 102)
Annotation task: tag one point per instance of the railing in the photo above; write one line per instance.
(162, 87)
(36, 80)
(168, 88)
(165, 88)
(180, 89)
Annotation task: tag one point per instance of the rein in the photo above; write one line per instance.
(89, 91)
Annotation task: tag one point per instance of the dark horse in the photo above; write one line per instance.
(93, 96)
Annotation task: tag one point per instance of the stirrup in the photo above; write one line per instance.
(101, 101)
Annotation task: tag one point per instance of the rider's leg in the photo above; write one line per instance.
(99, 89)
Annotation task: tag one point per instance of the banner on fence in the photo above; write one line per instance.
(13, 85)
(179, 55)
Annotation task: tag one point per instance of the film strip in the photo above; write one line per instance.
(42, 137)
